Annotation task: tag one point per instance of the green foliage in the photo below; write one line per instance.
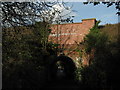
(78, 74)
(95, 39)
(42, 31)
(93, 78)
(21, 61)
(79, 51)
(102, 72)
(25, 56)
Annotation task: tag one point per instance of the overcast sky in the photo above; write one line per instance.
(100, 12)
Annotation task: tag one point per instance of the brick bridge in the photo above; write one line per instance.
(69, 36)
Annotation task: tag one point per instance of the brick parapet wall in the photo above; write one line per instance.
(71, 34)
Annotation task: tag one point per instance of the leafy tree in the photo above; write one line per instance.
(102, 71)
(23, 54)
(25, 13)
(95, 39)
(25, 43)
(42, 31)
(96, 2)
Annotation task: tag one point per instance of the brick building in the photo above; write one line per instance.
(71, 34)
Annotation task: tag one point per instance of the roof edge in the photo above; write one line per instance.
(89, 19)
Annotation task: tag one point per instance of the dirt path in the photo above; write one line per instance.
(68, 84)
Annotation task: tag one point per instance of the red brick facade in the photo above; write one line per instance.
(68, 35)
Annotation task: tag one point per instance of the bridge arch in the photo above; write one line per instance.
(62, 67)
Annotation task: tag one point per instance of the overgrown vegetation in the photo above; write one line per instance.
(25, 53)
(26, 50)
(102, 72)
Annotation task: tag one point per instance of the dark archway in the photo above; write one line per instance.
(62, 68)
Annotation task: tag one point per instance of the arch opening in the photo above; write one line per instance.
(63, 68)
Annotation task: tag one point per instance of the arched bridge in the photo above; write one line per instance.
(62, 68)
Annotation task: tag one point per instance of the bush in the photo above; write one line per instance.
(102, 72)
(25, 57)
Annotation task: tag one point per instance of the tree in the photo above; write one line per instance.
(102, 70)
(25, 43)
(117, 4)
(22, 13)
(42, 30)
(25, 13)
(23, 58)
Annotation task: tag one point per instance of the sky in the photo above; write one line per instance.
(107, 15)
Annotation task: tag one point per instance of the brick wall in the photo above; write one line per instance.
(71, 34)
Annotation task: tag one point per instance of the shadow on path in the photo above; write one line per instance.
(62, 84)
